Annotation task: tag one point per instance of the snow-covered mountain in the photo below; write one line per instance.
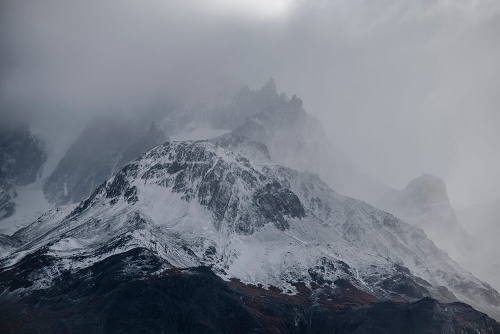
(294, 138)
(298, 140)
(252, 204)
(224, 203)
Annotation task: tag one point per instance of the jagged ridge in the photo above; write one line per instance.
(224, 203)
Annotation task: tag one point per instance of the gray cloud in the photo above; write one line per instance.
(403, 87)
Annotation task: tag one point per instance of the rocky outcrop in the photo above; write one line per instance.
(7, 194)
(21, 157)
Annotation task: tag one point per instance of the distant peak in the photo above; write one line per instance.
(427, 180)
(428, 188)
(296, 101)
(270, 86)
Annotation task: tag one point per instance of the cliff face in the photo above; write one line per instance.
(21, 157)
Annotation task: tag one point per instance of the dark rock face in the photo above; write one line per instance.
(240, 197)
(424, 316)
(104, 147)
(154, 297)
(7, 193)
(218, 184)
(21, 156)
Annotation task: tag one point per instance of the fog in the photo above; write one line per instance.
(404, 88)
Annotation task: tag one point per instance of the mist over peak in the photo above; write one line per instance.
(420, 72)
(293, 104)
(429, 188)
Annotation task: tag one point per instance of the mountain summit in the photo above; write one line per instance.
(232, 234)
(225, 204)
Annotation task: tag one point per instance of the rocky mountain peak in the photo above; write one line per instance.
(223, 203)
(432, 186)
(296, 102)
(427, 192)
(270, 87)
(425, 203)
(217, 176)
(21, 156)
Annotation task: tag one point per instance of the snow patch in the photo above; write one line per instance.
(30, 204)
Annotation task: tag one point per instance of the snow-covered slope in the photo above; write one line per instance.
(298, 140)
(225, 204)
(30, 204)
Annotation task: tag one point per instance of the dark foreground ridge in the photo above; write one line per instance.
(132, 292)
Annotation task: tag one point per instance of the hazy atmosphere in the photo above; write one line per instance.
(184, 133)
(403, 88)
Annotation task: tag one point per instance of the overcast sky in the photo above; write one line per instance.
(403, 87)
